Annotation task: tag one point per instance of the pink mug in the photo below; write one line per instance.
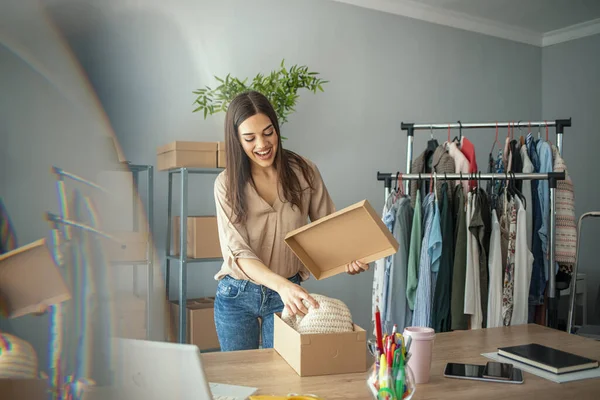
(421, 351)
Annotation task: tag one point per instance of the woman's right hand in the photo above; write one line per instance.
(292, 296)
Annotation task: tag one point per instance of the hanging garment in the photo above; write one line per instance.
(461, 164)
(414, 254)
(397, 310)
(430, 253)
(8, 237)
(527, 168)
(516, 162)
(389, 219)
(494, 311)
(480, 228)
(506, 156)
(442, 294)
(508, 286)
(379, 274)
(523, 267)
(468, 150)
(545, 156)
(538, 281)
(441, 163)
(566, 226)
(472, 282)
(459, 320)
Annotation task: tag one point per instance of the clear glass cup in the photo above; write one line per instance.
(373, 384)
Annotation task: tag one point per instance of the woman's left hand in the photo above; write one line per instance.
(356, 267)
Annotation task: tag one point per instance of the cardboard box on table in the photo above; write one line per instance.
(187, 154)
(325, 247)
(321, 354)
(30, 282)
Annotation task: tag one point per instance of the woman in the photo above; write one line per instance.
(264, 193)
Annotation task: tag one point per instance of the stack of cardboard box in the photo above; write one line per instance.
(180, 154)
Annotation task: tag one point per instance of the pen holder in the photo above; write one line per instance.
(387, 391)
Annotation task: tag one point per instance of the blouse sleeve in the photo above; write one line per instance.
(233, 237)
(321, 204)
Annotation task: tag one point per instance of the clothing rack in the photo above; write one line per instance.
(558, 124)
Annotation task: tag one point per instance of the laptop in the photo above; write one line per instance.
(149, 370)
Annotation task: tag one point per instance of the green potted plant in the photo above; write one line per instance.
(280, 87)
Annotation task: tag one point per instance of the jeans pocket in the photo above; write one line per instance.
(227, 290)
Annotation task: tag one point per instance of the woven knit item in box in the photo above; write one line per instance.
(332, 316)
(18, 359)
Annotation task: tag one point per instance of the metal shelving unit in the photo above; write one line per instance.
(182, 258)
(136, 169)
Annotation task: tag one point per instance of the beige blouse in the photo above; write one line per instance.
(262, 236)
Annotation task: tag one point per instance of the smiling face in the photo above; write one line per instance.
(259, 140)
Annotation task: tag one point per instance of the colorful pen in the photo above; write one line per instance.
(400, 379)
(378, 329)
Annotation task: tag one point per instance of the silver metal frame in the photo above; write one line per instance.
(573, 288)
(62, 221)
(149, 262)
(183, 258)
(411, 128)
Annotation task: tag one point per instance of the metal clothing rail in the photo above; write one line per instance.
(558, 124)
(410, 129)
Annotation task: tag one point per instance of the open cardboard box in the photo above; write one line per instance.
(30, 281)
(323, 353)
(355, 233)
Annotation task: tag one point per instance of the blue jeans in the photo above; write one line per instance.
(238, 306)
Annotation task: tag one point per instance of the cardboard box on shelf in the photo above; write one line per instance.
(187, 154)
(30, 281)
(353, 233)
(221, 155)
(131, 246)
(201, 329)
(202, 237)
(321, 354)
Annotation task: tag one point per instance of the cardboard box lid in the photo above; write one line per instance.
(190, 146)
(327, 245)
(30, 280)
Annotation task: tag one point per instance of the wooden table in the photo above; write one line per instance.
(266, 370)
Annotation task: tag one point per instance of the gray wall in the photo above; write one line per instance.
(145, 58)
(48, 117)
(570, 87)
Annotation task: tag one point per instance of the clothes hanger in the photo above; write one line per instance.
(399, 186)
(432, 144)
(495, 140)
(458, 140)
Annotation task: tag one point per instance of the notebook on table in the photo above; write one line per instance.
(547, 358)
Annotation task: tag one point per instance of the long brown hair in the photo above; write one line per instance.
(242, 107)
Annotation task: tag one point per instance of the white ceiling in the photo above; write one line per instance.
(537, 22)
